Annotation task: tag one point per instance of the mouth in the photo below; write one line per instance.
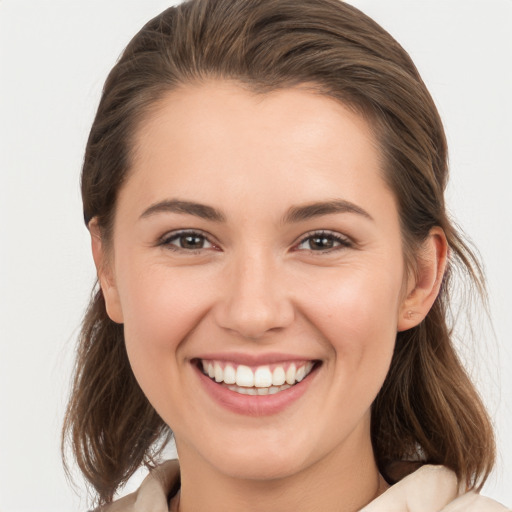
(270, 379)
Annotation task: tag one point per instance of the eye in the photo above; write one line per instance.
(186, 241)
(323, 241)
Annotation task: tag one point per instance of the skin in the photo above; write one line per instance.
(259, 285)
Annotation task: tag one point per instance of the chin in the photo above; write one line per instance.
(260, 460)
(261, 467)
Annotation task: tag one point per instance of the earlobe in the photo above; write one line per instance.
(426, 283)
(105, 275)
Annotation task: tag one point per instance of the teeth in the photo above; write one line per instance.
(290, 374)
(244, 377)
(219, 374)
(259, 391)
(278, 376)
(229, 374)
(262, 379)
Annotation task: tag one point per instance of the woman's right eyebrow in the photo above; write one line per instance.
(187, 207)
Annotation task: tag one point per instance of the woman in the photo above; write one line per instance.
(263, 184)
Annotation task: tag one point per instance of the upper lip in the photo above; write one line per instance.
(254, 359)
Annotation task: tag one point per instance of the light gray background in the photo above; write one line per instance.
(55, 56)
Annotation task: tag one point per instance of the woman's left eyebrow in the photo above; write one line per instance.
(304, 212)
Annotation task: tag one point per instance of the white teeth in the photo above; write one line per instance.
(244, 377)
(263, 377)
(259, 391)
(278, 376)
(219, 374)
(290, 374)
(229, 374)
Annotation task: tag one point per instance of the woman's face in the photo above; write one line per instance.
(256, 239)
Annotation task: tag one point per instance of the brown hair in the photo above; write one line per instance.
(427, 408)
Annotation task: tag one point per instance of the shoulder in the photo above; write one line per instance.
(152, 493)
(431, 488)
(473, 502)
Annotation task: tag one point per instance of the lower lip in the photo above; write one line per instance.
(254, 405)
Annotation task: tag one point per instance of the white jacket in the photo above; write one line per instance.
(428, 489)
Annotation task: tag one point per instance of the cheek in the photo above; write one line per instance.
(159, 303)
(161, 307)
(356, 313)
(358, 304)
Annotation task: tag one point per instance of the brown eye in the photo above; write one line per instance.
(323, 242)
(320, 243)
(186, 241)
(191, 241)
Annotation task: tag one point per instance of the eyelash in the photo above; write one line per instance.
(325, 235)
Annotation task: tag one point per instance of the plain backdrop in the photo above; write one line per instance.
(55, 56)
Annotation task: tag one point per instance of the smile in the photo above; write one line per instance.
(259, 380)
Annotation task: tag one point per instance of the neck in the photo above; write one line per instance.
(343, 481)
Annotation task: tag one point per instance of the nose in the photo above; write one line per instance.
(255, 300)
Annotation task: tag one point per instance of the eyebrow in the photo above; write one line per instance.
(293, 215)
(308, 211)
(188, 207)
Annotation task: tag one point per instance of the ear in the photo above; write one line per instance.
(105, 274)
(423, 287)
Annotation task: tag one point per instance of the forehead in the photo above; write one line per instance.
(218, 139)
(216, 110)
